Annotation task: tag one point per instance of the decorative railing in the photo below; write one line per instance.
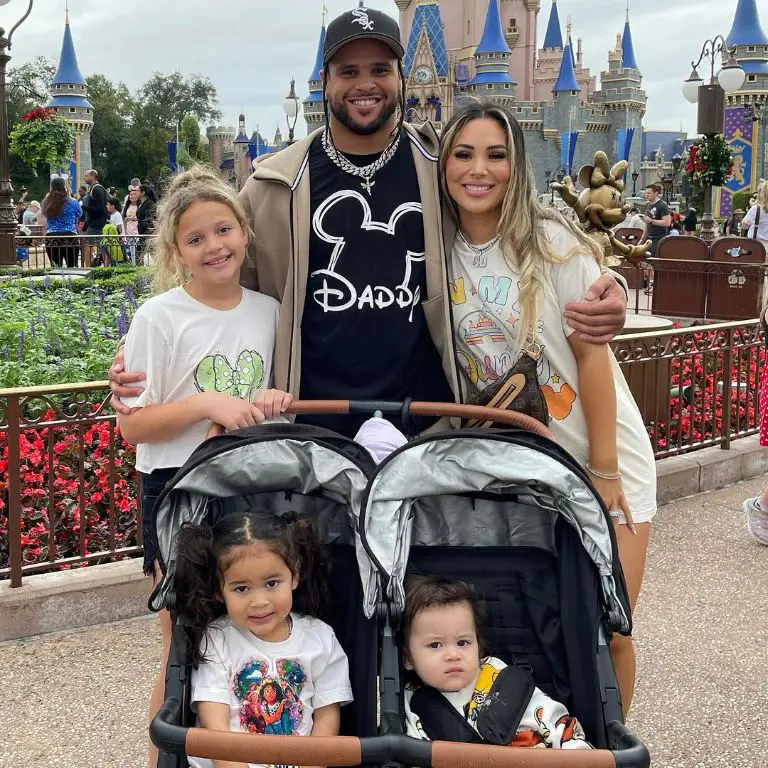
(68, 494)
(68, 490)
(38, 251)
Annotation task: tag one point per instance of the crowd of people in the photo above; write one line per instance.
(337, 274)
(92, 227)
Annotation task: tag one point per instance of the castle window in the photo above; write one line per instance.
(506, 86)
(751, 49)
(489, 87)
(751, 78)
(513, 22)
(71, 87)
(72, 109)
(467, 26)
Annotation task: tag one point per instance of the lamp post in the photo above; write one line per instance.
(711, 105)
(635, 175)
(677, 160)
(7, 216)
(291, 109)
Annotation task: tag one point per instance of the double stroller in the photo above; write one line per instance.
(502, 508)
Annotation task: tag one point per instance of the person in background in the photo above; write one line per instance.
(633, 220)
(732, 225)
(131, 222)
(689, 222)
(96, 216)
(146, 218)
(755, 223)
(657, 217)
(115, 217)
(135, 186)
(61, 212)
(32, 214)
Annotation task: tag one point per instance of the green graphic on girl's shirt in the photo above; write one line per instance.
(214, 373)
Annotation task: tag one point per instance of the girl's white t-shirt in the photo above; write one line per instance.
(186, 347)
(485, 310)
(271, 688)
(762, 225)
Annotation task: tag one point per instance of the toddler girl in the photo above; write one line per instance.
(443, 649)
(249, 589)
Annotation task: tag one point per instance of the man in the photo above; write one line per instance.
(95, 211)
(732, 225)
(32, 215)
(657, 217)
(349, 239)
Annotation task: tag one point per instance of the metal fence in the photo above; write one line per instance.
(69, 251)
(68, 489)
(697, 386)
(68, 493)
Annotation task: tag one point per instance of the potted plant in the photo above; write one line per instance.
(41, 137)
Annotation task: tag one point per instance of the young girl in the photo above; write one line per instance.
(249, 589)
(514, 267)
(444, 649)
(205, 343)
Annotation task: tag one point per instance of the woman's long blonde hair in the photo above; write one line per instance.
(198, 184)
(761, 198)
(521, 229)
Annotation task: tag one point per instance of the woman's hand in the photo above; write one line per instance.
(272, 402)
(230, 412)
(602, 313)
(612, 494)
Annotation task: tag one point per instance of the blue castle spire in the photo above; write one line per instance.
(628, 60)
(566, 80)
(553, 37)
(315, 93)
(746, 29)
(68, 72)
(493, 40)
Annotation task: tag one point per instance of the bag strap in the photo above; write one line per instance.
(757, 221)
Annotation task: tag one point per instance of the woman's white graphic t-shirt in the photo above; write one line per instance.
(271, 688)
(485, 308)
(186, 347)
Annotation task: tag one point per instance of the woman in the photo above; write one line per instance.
(755, 223)
(131, 221)
(514, 267)
(146, 218)
(62, 213)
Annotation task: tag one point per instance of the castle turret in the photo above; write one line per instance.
(553, 38)
(492, 79)
(566, 80)
(622, 95)
(745, 126)
(69, 99)
(313, 104)
(242, 159)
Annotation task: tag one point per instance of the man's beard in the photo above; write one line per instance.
(341, 113)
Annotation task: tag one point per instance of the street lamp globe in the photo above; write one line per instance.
(731, 77)
(691, 86)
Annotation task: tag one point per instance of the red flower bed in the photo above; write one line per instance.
(74, 507)
(701, 383)
(41, 113)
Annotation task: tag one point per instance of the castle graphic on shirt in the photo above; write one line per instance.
(215, 373)
(270, 703)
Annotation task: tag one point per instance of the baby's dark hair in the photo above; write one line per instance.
(424, 592)
(206, 551)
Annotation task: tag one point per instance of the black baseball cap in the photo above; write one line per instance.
(362, 24)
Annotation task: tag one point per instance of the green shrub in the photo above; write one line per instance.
(741, 200)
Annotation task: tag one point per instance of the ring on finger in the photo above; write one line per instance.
(614, 513)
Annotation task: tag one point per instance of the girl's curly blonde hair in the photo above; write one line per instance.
(198, 184)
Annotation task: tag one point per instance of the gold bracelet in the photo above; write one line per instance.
(603, 475)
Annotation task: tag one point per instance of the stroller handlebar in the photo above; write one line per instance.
(350, 750)
(417, 408)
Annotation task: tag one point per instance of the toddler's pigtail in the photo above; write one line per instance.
(196, 582)
(311, 596)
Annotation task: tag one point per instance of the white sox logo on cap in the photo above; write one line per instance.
(361, 18)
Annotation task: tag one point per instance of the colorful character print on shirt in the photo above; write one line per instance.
(214, 373)
(270, 704)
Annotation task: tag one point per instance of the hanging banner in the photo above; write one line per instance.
(740, 133)
(574, 137)
(172, 156)
(564, 149)
(630, 134)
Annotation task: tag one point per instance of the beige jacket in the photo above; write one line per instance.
(277, 200)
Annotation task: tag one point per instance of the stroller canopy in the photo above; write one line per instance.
(446, 489)
(278, 466)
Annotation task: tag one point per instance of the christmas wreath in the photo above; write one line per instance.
(41, 137)
(710, 161)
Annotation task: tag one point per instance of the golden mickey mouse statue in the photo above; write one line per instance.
(599, 207)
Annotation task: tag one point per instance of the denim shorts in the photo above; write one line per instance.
(152, 486)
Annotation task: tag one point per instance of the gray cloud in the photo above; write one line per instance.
(252, 48)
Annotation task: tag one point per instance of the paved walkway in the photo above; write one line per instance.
(78, 699)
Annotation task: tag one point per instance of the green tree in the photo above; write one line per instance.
(167, 99)
(189, 133)
(112, 138)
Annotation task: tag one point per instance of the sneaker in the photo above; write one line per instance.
(757, 521)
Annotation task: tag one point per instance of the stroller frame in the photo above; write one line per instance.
(391, 746)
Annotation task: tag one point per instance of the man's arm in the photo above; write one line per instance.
(602, 313)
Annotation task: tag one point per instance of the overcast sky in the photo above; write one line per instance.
(251, 48)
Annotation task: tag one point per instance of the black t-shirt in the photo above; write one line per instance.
(364, 335)
(657, 210)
